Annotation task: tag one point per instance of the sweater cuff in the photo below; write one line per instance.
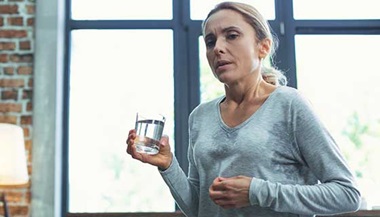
(255, 190)
(171, 167)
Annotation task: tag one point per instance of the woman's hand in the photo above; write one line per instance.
(230, 192)
(162, 160)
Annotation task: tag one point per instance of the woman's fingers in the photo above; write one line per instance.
(164, 141)
(230, 192)
(130, 141)
(216, 190)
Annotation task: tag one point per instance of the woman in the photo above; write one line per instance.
(260, 150)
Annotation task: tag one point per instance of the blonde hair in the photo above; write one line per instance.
(273, 76)
(263, 31)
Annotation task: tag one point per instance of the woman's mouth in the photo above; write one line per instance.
(222, 64)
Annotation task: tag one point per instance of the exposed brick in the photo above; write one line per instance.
(30, 83)
(28, 196)
(26, 132)
(29, 106)
(7, 45)
(12, 83)
(8, 119)
(29, 162)
(24, 45)
(23, 211)
(15, 21)
(14, 196)
(10, 107)
(21, 58)
(3, 58)
(30, 165)
(19, 210)
(26, 120)
(30, 21)
(16, 39)
(30, 9)
(25, 70)
(13, 33)
(8, 9)
(9, 95)
(28, 145)
(9, 70)
(27, 94)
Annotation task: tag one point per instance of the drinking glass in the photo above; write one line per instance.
(149, 128)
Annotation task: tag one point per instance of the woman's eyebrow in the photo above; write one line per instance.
(229, 28)
(224, 30)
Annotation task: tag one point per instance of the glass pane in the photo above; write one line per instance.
(336, 9)
(121, 9)
(114, 74)
(210, 87)
(200, 8)
(343, 87)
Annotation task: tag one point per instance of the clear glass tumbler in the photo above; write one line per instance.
(149, 128)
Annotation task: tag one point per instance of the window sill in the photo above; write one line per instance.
(360, 213)
(136, 214)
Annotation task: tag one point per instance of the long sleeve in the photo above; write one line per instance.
(183, 190)
(336, 192)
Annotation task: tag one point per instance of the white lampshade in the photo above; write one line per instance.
(13, 167)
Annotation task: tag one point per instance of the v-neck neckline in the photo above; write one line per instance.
(256, 113)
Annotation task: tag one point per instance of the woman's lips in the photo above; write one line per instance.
(222, 65)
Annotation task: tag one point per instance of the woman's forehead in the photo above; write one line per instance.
(223, 19)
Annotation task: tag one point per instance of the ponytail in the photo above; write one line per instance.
(274, 76)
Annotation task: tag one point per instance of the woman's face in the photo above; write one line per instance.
(232, 50)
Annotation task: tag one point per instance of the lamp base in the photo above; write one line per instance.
(5, 205)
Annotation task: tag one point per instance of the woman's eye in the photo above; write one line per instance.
(232, 36)
(210, 43)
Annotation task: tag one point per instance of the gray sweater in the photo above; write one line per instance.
(297, 168)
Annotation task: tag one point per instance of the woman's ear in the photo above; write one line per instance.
(264, 47)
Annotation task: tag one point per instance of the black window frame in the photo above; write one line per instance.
(186, 63)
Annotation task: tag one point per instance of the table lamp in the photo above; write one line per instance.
(13, 167)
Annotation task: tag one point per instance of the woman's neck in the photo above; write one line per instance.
(249, 89)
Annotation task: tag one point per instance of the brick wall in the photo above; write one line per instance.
(16, 84)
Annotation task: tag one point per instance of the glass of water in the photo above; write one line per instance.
(149, 128)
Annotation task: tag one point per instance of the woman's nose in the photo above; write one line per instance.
(219, 47)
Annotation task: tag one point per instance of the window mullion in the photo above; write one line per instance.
(182, 93)
(284, 28)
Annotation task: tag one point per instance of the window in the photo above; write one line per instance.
(107, 87)
(121, 9)
(342, 87)
(336, 69)
(120, 61)
(336, 10)
(122, 52)
(199, 8)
